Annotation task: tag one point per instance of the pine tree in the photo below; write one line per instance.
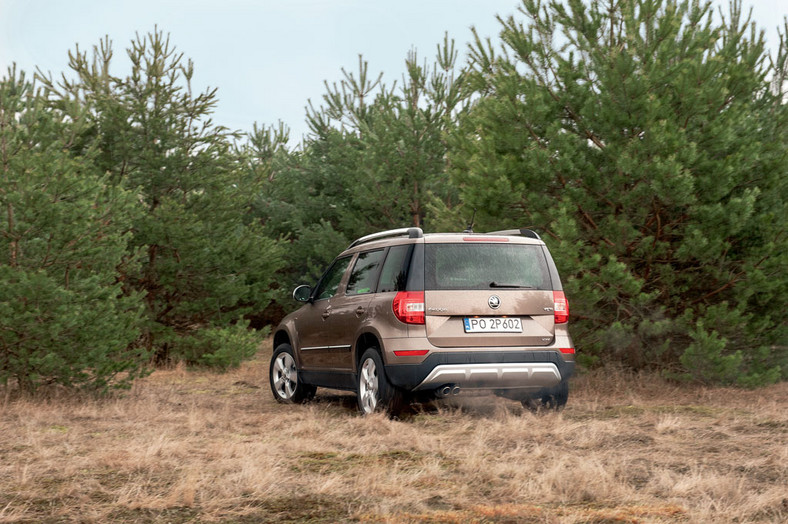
(63, 233)
(375, 159)
(642, 139)
(386, 144)
(205, 262)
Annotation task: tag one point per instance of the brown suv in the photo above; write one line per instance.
(403, 313)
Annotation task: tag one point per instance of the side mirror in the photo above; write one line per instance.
(302, 293)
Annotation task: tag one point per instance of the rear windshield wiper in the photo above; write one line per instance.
(511, 286)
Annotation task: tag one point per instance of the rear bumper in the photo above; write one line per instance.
(493, 376)
(524, 370)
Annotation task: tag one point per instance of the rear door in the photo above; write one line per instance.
(351, 308)
(482, 293)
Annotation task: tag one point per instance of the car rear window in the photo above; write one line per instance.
(485, 266)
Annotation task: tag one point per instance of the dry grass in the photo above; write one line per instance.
(196, 447)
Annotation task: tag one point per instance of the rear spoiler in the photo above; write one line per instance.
(529, 233)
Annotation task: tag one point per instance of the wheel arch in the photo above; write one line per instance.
(282, 337)
(365, 341)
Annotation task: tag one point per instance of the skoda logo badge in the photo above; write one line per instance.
(494, 302)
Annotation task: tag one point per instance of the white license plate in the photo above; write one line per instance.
(493, 325)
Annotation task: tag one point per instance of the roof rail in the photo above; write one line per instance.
(412, 232)
(530, 233)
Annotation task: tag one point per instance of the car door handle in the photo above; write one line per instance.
(360, 310)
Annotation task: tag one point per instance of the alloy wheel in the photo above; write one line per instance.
(285, 376)
(368, 387)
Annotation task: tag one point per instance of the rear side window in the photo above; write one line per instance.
(395, 270)
(485, 266)
(365, 273)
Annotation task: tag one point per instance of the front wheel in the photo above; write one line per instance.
(283, 376)
(375, 392)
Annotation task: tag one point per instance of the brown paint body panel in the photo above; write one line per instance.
(447, 310)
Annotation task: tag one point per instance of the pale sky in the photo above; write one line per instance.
(267, 57)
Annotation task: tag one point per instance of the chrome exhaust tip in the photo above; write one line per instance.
(445, 390)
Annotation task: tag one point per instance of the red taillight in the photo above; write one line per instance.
(412, 352)
(560, 307)
(408, 307)
(567, 351)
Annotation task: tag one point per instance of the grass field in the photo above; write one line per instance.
(195, 446)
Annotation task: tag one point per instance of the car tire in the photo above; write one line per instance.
(375, 393)
(549, 399)
(283, 376)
